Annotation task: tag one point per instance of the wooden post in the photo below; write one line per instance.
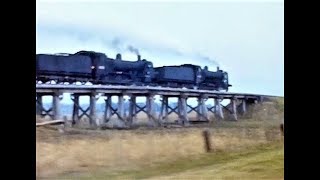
(120, 107)
(184, 113)
(199, 111)
(218, 109)
(56, 106)
(160, 119)
(282, 129)
(93, 109)
(241, 109)
(75, 113)
(132, 107)
(244, 107)
(179, 110)
(135, 108)
(107, 112)
(207, 140)
(150, 108)
(39, 104)
(204, 109)
(166, 110)
(65, 122)
(234, 108)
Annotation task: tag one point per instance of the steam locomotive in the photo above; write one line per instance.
(97, 68)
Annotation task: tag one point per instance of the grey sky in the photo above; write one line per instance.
(245, 38)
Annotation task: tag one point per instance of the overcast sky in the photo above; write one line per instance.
(246, 38)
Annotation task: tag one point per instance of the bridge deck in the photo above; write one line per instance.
(45, 88)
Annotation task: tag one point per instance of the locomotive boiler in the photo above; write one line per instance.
(217, 80)
(138, 72)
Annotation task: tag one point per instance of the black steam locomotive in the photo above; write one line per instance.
(97, 68)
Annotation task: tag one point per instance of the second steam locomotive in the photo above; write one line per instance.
(97, 68)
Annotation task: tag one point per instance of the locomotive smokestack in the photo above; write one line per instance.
(217, 68)
(118, 57)
(139, 57)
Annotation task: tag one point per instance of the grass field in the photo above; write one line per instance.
(251, 148)
(262, 162)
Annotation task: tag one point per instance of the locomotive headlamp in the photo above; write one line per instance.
(92, 67)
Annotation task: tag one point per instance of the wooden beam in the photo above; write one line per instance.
(50, 122)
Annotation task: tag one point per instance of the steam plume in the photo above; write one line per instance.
(133, 49)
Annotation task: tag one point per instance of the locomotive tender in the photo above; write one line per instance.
(97, 68)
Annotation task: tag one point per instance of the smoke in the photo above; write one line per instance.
(120, 45)
(133, 49)
(207, 60)
(116, 44)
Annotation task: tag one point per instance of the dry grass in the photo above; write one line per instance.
(264, 162)
(112, 151)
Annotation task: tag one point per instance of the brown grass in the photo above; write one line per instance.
(82, 151)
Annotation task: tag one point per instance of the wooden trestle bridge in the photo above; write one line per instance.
(238, 103)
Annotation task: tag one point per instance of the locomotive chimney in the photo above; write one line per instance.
(118, 57)
(139, 57)
(217, 68)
